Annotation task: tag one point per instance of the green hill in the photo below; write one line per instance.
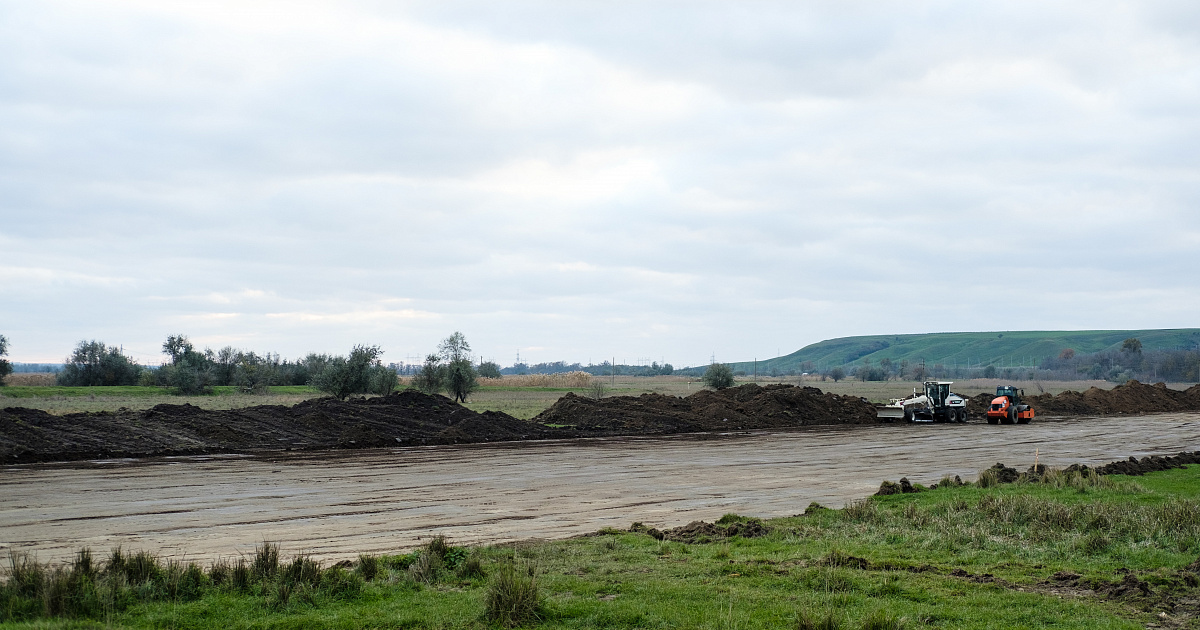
(1022, 347)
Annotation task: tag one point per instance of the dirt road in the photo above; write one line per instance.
(338, 504)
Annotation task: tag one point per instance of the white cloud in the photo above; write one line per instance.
(588, 179)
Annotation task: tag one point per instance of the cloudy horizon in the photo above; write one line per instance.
(582, 181)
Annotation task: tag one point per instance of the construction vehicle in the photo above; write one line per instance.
(936, 404)
(1006, 407)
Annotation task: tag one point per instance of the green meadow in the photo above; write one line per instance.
(1062, 551)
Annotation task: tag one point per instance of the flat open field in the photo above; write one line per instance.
(519, 402)
(336, 505)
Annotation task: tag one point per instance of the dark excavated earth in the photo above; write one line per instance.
(410, 418)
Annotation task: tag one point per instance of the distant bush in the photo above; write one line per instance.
(488, 369)
(94, 364)
(718, 376)
(429, 379)
(6, 368)
(360, 373)
(190, 373)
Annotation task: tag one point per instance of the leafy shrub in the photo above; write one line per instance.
(6, 368)
(93, 364)
(718, 376)
(360, 373)
(488, 369)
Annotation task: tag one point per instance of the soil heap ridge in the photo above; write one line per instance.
(407, 418)
(1131, 397)
(745, 407)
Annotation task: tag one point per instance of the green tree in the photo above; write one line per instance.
(718, 376)
(6, 368)
(429, 380)
(190, 372)
(837, 374)
(488, 369)
(1133, 345)
(360, 373)
(459, 376)
(93, 364)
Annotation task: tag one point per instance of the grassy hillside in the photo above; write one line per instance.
(1023, 347)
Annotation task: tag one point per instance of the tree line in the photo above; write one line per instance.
(189, 371)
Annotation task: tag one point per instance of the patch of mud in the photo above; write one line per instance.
(1130, 398)
(1173, 594)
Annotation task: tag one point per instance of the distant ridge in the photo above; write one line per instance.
(1000, 348)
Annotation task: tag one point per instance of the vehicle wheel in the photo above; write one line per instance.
(1012, 416)
(908, 417)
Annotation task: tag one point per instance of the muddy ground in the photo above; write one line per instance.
(337, 504)
(410, 418)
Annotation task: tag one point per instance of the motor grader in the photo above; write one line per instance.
(936, 404)
(1007, 408)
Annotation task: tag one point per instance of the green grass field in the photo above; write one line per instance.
(954, 557)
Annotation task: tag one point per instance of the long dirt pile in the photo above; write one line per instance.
(1131, 398)
(745, 407)
(408, 418)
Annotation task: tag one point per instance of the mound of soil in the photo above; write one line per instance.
(700, 532)
(1131, 398)
(745, 407)
(407, 418)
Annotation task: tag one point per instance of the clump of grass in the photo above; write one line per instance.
(805, 621)
(183, 582)
(368, 566)
(1094, 543)
(863, 510)
(301, 570)
(471, 568)
(266, 561)
(427, 568)
(341, 584)
(988, 479)
(881, 620)
(514, 597)
(438, 546)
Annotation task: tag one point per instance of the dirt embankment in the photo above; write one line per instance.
(745, 407)
(1131, 398)
(408, 418)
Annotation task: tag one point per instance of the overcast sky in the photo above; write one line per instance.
(581, 181)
